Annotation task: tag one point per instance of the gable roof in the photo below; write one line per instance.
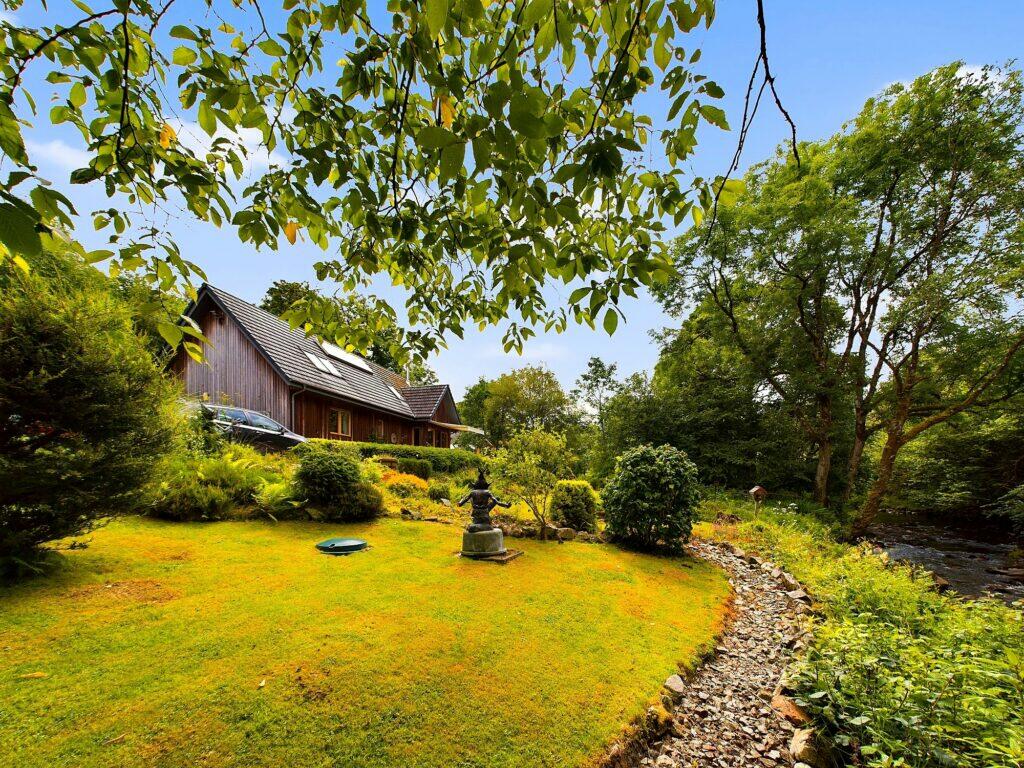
(424, 401)
(287, 350)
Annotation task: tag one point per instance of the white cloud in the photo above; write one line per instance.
(57, 153)
(249, 140)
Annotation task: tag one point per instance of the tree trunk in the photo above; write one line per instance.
(824, 469)
(873, 503)
(860, 439)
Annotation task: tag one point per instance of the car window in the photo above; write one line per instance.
(263, 422)
(234, 415)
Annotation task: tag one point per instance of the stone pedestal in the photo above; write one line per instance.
(480, 544)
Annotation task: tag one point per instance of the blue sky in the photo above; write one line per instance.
(827, 57)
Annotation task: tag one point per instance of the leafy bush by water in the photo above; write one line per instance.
(899, 675)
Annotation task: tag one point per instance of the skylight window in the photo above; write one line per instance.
(395, 392)
(324, 365)
(346, 357)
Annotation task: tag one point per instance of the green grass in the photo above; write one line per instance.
(156, 641)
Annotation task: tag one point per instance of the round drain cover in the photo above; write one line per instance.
(341, 546)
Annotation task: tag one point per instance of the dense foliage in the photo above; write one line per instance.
(472, 152)
(419, 467)
(84, 410)
(651, 498)
(872, 288)
(898, 674)
(574, 504)
(527, 469)
(967, 465)
(329, 479)
(441, 459)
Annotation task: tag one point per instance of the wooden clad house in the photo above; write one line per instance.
(256, 360)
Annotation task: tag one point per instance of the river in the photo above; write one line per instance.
(975, 562)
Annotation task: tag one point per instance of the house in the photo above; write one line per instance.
(256, 360)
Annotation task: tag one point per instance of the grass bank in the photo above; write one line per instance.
(237, 644)
(897, 674)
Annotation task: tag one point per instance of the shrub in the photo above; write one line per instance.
(527, 469)
(652, 497)
(445, 460)
(371, 472)
(361, 502)
(419, 467)
(574, 503)
(277, 499)
(898, 674)
(204, 488)
(404, 485)
(325, 476)
(439, 489)
(85, 411)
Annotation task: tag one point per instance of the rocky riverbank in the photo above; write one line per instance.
(733, 711)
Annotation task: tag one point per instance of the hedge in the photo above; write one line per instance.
(441, 459)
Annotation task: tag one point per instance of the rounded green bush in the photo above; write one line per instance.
(574, 504)
(652, 497)
(325, 476)
(439, 489)
(419, 467)
(364, 502)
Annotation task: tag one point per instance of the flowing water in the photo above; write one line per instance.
(975, 562)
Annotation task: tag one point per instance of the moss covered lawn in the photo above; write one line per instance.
(237, 644)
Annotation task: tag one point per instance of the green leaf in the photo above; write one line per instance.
(435, 11)
(611, 321)
(207, 119)
(170, 332)
(435, 137)
(11, 142)
(18, 231)
(452, 158)
(77, 95)
(183, 56)
(271, 48)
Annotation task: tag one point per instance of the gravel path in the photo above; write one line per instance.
(724, 716)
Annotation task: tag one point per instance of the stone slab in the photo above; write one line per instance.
(483, 543)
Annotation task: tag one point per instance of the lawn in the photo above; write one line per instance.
(237, 644)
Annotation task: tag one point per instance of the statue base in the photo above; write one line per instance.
(481, 544)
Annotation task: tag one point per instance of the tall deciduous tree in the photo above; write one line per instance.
(471, 152)
(886, 268)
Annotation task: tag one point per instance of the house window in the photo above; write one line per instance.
(380, 430)
(339, 424)
(430, 438)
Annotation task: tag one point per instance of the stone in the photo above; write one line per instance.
(676, 687)
(804, 749)
(941, 584)
(483, 543)
(566, 534)
(790, 710)
(798, 595)
(789, 581)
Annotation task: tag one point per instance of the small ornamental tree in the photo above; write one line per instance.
(528, 468)
(651, 498)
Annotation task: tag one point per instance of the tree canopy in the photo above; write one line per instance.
(471, 152)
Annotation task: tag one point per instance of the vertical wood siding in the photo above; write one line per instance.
(311, 420)
(234, 372)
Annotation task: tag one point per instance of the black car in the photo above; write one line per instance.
(245, 426)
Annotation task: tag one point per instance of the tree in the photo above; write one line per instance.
(527, 469)
(473, 411)
(471, 152)
(286, 297)
(524, 399)
(875, 271)
(595, 387)
(84, 410)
